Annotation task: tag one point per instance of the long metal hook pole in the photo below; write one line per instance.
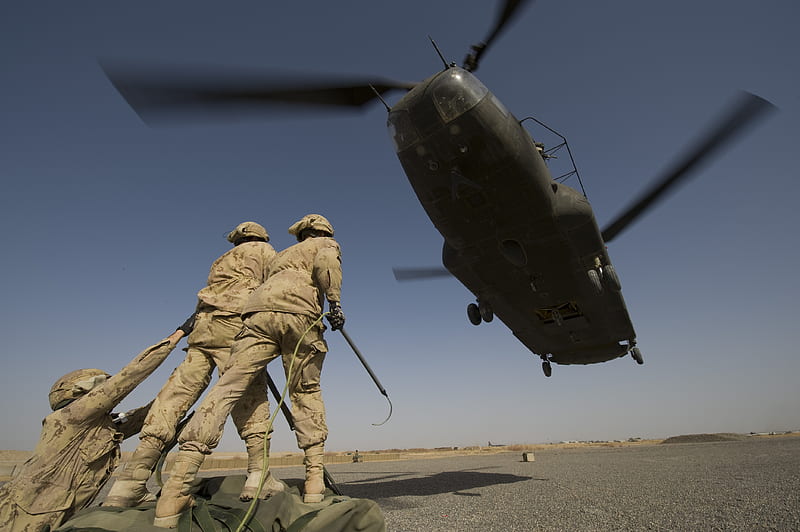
(371, 373)
(287, 413)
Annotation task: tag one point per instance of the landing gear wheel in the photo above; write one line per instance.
(486, 312)
(547, 368)
(474, 314)
(610, 278)
(594, 280)
(637, 355)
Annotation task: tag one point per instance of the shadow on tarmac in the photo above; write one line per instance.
(405, 484)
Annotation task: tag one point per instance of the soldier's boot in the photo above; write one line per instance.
(314, 489)
(130, 489)
(176, 495)
(255, 470)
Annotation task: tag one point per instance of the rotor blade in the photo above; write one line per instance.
(507, 12)
(417, 274)
(744, 113)
(158, 93)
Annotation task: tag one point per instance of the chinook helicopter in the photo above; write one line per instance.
(526, 245)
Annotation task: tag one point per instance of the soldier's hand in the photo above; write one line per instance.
(175, 337)
(335, 316)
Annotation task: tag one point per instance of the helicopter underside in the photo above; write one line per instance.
(561, 301)
(527, 247)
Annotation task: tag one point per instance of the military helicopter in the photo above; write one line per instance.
(526, 245)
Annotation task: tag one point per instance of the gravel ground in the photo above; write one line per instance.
(745, 485)
(749, 485)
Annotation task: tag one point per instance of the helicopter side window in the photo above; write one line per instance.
(455, 92)
(402, 131)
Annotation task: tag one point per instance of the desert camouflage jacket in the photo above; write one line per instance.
(235, 275)
(299, 277)
(79, 445)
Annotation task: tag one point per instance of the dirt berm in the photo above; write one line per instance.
(705, 438)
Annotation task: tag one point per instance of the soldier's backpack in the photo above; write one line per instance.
(219, 509)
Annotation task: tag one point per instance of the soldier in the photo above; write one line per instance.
(213, 326)
(276, 317)
(79, 446)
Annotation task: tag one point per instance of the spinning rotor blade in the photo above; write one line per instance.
(163, 93)
(506, 13)
(744, 113)
(416, 274)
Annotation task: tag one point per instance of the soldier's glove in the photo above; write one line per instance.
(335, 316)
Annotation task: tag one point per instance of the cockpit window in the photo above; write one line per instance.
(403, 133)
(455, 92)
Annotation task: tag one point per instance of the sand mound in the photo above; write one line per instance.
(705, 438)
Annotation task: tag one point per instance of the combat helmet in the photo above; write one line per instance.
(73, 385)
(248, 230)
(311, 221)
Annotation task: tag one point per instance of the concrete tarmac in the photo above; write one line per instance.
(747, 485)
(743, 485)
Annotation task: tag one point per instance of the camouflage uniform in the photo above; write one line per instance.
(214, 325)
(77, 451)
(275, 317)
(232, 278)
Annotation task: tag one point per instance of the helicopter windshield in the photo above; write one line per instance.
(455, 92)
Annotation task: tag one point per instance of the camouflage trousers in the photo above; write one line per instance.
(266, 336)
(208, 347)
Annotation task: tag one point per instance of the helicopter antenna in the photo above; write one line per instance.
(435, 47)
(378, 95)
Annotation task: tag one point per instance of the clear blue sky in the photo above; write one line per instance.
(109, 227)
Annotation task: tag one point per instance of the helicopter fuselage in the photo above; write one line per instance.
(527, 247)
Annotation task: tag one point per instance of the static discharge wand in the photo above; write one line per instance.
(371, 373)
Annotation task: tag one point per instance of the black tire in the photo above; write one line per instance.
(547, 368)
(474, 314)
(637, 355)
(486, 312)
(611, 279)
(594, 280)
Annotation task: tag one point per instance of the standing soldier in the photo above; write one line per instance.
(213, 326)
(79, 445)
(280, 318)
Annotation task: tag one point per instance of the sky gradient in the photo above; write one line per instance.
(110, 226)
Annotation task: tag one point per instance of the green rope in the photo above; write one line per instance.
(251, 509)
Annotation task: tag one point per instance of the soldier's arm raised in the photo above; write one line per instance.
(105, 397)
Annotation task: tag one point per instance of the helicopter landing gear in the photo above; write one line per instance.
(610, 278)
(594, 281)
(486, 311)
(546, 367)
(636, 354)
(478, 312)
(474, 314)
